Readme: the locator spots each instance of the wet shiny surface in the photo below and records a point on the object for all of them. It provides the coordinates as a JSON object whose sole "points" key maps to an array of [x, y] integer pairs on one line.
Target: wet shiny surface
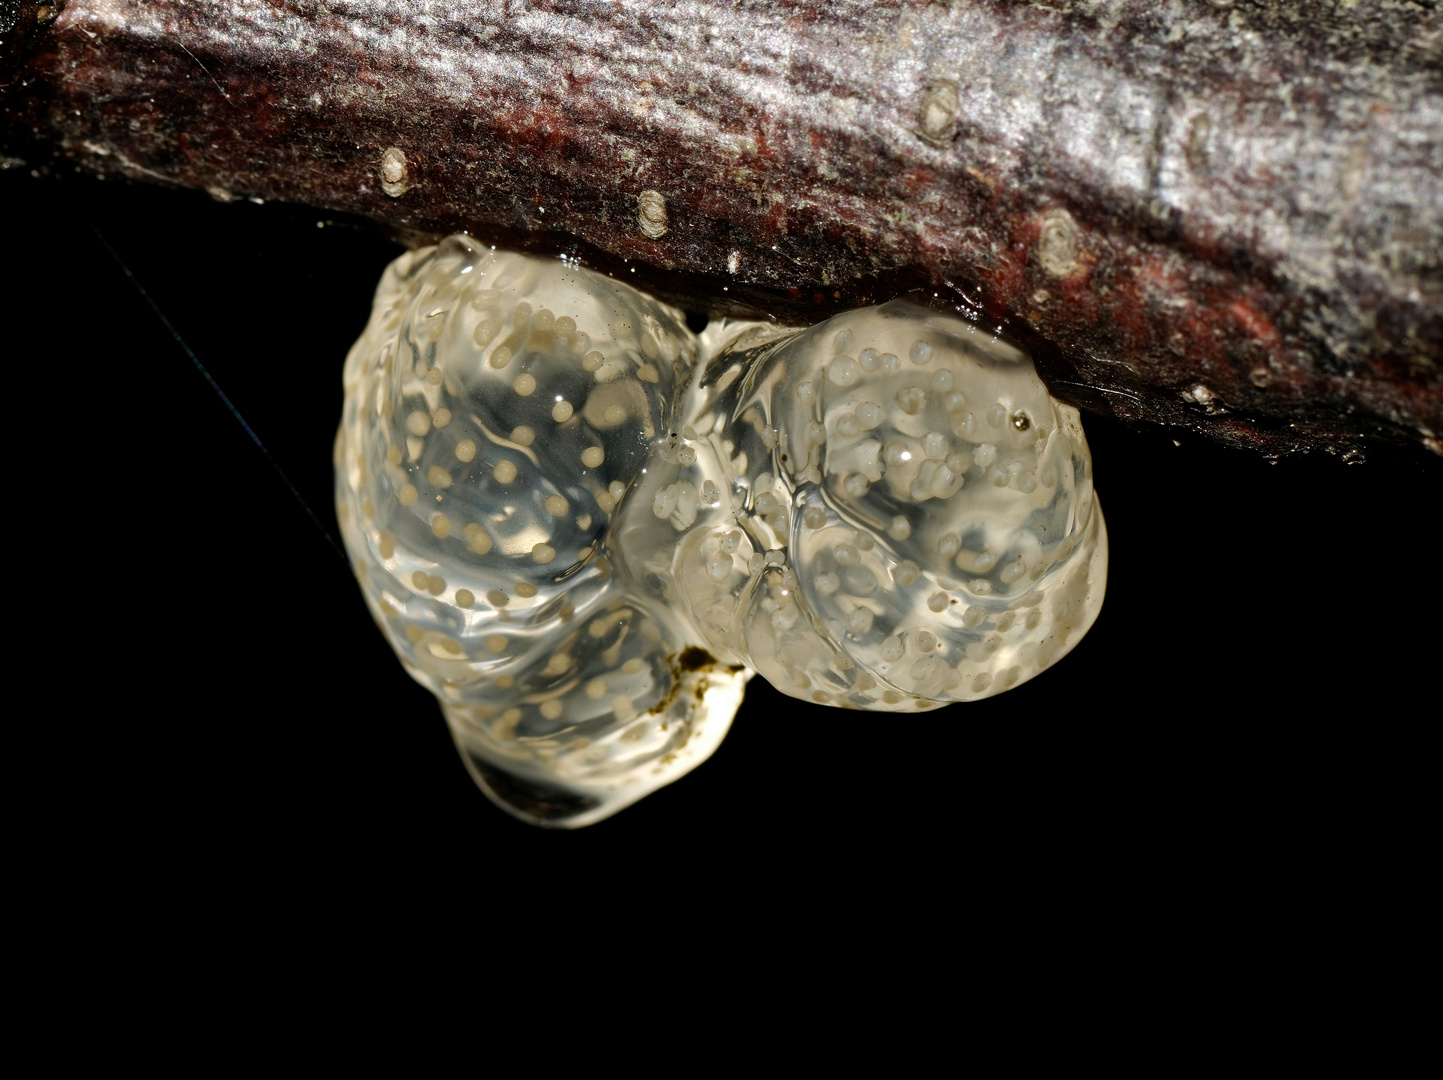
{"points": [[583, 528]]}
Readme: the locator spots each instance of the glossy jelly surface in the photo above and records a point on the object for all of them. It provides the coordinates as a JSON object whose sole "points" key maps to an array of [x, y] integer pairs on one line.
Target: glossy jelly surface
{"points": [[584, 528]]}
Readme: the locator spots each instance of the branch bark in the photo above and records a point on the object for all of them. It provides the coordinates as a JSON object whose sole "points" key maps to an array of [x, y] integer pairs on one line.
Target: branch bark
{"points": [[1222, 215]]}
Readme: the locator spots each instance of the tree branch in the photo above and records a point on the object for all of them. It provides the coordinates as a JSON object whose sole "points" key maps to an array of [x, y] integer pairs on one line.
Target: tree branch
{"points": [[1226, 216]]}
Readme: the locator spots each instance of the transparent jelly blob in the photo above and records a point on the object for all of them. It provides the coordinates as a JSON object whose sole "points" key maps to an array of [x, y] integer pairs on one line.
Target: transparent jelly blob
{"points": [[917, 512], [583, 528]]}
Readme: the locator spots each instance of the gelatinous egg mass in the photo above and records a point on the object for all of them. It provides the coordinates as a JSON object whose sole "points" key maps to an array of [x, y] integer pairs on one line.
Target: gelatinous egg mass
{"points": [[583, 528]]}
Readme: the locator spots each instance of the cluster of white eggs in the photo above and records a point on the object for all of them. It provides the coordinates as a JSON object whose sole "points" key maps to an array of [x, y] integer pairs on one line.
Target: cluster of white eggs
{"points": [[584, 528]]}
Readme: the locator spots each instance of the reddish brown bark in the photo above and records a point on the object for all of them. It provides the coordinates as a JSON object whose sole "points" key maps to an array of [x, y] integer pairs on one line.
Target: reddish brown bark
{"points": [[1221, 215]]}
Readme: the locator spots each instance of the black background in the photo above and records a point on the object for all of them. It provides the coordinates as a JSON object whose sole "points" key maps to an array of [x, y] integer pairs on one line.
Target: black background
{"points": [[1254, 697]]}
